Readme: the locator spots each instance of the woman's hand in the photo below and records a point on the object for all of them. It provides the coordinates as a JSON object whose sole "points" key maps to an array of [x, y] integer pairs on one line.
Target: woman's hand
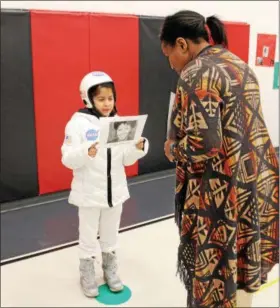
{"points": [[167, 146], [140, 144], [92, 150]]}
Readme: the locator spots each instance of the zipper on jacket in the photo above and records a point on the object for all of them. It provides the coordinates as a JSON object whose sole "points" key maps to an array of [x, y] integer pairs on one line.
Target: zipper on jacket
{"points": [[109, 178]]}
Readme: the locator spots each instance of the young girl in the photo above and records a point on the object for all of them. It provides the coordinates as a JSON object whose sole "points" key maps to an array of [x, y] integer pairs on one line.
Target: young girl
{"points": [[99, 187]]}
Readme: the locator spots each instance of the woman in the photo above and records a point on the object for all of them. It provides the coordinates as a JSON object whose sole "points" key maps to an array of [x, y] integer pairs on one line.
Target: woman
{"points": [[227, 169]]}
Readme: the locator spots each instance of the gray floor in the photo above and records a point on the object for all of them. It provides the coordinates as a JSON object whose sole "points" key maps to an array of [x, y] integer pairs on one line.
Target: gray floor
{"points": [[147, 259], [43, 223]]}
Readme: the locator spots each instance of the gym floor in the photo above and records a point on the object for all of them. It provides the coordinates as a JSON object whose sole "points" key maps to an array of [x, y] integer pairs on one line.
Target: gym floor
{"points": [[36, 271]]}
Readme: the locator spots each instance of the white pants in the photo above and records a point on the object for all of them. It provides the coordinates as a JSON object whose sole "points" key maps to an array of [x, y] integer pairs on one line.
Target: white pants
{"points": [[106, 222]]}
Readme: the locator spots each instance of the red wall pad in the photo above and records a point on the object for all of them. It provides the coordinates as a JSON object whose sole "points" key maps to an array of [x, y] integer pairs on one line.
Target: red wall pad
{"points": [[114, 48], [60, 46], [239, 39]]}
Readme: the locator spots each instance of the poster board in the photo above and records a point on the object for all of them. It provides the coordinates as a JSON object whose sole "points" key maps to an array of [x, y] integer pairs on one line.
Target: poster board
{"points": [[171, 103], [121, 130], [265, 54]]}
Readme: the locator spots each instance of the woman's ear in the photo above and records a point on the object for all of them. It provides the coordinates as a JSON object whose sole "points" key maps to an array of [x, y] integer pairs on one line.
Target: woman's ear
{"points": [[182, 44]]}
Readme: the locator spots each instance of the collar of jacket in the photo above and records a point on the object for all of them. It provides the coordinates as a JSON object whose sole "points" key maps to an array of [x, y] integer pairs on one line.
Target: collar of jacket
{"points": [[94, 112]]}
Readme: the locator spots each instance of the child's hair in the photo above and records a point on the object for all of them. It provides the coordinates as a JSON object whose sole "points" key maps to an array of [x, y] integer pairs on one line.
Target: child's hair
{"points": [[93, 91]]}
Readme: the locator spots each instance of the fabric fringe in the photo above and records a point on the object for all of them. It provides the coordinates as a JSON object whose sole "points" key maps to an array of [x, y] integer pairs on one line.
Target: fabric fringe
{"points": [[186, 277]]}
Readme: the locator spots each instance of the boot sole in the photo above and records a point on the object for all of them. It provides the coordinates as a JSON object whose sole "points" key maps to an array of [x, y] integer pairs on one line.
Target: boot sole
{"points": [[111, 289], [91, 295], [116, 290]]}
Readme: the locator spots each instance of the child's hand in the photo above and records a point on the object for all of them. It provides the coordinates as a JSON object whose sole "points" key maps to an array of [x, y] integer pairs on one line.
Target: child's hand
{"points": [[140, 144], [92, 150]]}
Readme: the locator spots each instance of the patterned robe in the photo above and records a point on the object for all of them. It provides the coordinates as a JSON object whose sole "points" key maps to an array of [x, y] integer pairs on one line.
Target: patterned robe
{"points": [[227, 179]]}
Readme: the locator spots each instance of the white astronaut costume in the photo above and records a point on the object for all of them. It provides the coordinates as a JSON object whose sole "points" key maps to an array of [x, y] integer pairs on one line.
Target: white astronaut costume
{"points": [[99, 188]]}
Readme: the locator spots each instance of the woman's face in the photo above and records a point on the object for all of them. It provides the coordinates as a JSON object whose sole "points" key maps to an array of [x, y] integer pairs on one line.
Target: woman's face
{"points": [[123, 131], [178, 55], [104, 101]]}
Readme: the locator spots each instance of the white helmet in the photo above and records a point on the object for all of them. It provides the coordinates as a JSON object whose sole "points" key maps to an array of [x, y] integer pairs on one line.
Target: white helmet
{"points": [[90, 80]]}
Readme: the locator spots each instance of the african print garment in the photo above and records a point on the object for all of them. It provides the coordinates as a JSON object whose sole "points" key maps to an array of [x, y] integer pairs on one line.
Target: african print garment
{"points": [[227, 181]]}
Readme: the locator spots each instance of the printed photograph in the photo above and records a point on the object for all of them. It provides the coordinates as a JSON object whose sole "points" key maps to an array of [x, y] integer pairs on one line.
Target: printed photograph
{"points": [[122, 131]]}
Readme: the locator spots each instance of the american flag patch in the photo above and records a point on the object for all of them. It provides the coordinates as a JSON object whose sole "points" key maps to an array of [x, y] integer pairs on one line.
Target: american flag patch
{"points": [[68, 139]]}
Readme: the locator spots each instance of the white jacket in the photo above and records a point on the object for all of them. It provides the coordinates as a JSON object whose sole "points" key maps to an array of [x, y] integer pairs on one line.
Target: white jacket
{"points": [[99, 181]]}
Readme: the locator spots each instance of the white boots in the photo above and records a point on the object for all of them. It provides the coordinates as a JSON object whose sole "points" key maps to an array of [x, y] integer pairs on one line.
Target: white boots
{"points": [[110, 268], [88, 277]]}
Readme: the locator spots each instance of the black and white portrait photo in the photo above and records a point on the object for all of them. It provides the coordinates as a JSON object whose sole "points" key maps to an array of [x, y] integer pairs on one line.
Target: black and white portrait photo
{"points": [[122, 131]]}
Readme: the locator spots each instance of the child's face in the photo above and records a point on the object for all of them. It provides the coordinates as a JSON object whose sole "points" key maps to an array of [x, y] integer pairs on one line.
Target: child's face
{"points": [[104, 101], [123, 131]]}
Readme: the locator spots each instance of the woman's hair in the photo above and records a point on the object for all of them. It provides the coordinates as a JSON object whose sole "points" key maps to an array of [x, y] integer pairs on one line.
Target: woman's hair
{"points": [[192, 25], [118, 124]]}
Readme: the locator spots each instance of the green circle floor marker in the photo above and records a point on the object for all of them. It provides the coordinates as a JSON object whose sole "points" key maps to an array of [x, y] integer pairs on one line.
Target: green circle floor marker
{"points": [[108, 297]]}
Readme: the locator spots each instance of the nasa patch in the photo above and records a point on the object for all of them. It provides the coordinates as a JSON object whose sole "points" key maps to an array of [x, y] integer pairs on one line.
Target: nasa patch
{"points": [[98, 74], [92, 134]]}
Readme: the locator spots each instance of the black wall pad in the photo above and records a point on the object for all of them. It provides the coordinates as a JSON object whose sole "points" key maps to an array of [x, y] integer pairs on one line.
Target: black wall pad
{"points": [[157, 80], [18, 176], [63, 195]]}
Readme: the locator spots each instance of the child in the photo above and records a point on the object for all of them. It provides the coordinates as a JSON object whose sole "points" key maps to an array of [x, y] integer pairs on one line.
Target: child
{"points": [[99, 187]]}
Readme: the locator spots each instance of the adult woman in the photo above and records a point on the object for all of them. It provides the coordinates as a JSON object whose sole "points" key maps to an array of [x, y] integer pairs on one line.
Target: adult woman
{"points": [[227, 171]]}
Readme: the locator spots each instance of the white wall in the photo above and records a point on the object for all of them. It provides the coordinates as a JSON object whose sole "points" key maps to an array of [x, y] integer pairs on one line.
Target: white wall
{"points": [[261, 15]]}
